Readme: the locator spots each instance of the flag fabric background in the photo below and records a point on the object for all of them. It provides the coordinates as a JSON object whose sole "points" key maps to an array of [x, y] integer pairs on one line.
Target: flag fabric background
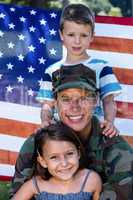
{"points": [[29, 42]]}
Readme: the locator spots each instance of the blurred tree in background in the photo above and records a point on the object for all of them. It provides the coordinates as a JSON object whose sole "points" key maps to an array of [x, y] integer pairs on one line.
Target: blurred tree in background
{"points": [[100, 7], [126, 6]]}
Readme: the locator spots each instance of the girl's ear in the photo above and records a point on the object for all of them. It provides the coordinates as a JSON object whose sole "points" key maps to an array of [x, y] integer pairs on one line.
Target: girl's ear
{"points": [[41, 161], [79, 153]]}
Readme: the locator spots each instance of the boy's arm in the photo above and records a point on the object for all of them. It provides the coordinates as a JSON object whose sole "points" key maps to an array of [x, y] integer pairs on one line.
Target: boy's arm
{"points": [[118, 171], [47, 113], [24, 165], [109, 87], [45, 97], [109, 106]]}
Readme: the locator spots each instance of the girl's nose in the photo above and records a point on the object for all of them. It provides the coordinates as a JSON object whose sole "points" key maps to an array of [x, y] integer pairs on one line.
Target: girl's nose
{"points": [[64, 161]]}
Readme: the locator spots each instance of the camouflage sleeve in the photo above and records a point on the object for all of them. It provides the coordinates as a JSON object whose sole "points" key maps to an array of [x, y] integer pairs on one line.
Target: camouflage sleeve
{"points": [[24, 165], [119, 171]]}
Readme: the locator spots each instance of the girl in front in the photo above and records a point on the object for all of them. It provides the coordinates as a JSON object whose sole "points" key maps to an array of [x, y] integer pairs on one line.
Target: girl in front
{"points": [[60, 169]]}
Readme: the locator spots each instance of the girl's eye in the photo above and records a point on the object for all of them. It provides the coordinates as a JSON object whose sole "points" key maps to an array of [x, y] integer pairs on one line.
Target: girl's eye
{"points": [[70, 153], [53, 158]]}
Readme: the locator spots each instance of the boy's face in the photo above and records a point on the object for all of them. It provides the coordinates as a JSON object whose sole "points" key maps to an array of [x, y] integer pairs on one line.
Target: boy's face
{"points": [[76, 38]]}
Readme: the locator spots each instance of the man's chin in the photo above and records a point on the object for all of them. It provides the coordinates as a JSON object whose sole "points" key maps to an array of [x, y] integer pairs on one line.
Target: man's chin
{"points": [[75, 127]]}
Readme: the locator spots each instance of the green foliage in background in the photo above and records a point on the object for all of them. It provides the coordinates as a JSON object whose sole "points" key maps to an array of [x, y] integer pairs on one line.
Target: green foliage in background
{"points": [[4, 188], [100, 7]]}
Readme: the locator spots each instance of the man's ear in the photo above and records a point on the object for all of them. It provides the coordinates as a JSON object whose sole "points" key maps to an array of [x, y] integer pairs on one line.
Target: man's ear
{"points": [[56, 104], [41, 161]]}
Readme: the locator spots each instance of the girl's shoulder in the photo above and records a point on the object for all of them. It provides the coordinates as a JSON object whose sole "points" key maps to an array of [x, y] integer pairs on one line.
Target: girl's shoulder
{"points": [[93, 181]]}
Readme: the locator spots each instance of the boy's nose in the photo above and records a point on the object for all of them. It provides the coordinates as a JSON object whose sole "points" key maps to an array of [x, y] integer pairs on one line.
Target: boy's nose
{"points": [[77, 39]]}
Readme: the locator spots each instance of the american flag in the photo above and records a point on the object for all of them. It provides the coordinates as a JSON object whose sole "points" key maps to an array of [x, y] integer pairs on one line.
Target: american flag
{"points": [[29, 42]]}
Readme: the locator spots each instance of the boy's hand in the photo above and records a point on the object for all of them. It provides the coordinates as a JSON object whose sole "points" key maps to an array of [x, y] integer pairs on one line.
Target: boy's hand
{"points": [[109, 129], [46, 115]]}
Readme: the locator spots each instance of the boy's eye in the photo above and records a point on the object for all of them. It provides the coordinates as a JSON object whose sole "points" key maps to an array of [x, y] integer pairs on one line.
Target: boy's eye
{"points": [[85, 35], [70, 34]]}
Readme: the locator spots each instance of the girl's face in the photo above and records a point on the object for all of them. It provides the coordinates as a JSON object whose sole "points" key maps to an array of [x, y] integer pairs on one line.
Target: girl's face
{"points": [[61, 158]]}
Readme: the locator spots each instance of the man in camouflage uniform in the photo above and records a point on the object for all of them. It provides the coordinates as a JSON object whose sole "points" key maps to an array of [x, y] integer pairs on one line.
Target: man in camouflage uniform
{"points": [[75, 93]]}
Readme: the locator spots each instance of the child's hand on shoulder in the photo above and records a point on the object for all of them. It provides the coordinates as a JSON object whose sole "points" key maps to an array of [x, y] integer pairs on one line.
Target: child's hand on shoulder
{"points": [[109, 129]]}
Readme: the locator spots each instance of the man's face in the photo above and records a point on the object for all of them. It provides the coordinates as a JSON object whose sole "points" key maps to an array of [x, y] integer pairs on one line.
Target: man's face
{"points": [[75, 107]]}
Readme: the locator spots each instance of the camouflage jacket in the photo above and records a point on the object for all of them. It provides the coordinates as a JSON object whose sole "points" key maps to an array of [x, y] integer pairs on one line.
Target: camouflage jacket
{"points": [[111, 158]]}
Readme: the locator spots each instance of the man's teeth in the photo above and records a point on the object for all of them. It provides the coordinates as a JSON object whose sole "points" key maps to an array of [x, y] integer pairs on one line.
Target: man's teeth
{"points": [[75, 117]]}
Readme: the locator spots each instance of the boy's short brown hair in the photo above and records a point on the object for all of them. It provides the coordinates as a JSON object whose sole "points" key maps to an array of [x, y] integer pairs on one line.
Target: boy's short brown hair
{"points": [[77, 13]]}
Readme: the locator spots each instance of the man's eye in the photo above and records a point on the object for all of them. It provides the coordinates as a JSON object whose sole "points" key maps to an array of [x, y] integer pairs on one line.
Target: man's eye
{"points": [[66, 99]]}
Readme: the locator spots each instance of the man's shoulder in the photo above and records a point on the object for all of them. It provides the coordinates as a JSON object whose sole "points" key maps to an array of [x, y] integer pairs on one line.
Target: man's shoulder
{"points": [[28, 145], [52, 68]]}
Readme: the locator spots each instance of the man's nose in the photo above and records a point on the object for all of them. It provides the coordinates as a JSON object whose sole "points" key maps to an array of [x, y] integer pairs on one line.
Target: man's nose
{"points": [[75, 105]]}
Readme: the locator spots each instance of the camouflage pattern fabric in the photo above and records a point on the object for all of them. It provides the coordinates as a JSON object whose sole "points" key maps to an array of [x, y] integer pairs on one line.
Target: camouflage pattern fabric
{"points": [[111, 158]]}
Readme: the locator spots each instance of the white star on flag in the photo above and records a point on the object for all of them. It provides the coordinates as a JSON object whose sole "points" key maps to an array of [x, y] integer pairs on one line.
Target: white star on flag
{"points": [[40, 82], [52, 32], [52, 51], [32, 29], [20, 79], [11, 45], [32, 12], [43, 22], [30, 92], [2, 16], [22, 19], [31, 48], [42, 40], [9, 88], [1, 54], [11, 26], [1, 76], [12, 9], [42, 60], [53, 15], [20, 57], [21, 37], [1, 33], [31, 69], [10, 66]]}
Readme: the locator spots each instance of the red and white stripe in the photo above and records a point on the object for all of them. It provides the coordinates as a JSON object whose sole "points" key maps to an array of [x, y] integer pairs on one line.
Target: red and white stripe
{"points": [[113, 42]]}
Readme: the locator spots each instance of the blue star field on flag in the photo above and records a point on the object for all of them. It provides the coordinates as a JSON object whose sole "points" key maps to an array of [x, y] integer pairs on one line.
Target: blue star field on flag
{"points": [[29, 42]]}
